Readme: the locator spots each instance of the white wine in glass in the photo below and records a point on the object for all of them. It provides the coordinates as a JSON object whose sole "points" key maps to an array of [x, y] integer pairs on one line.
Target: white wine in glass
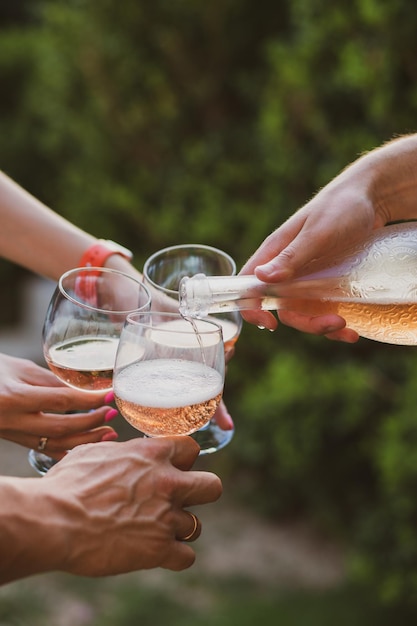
{"points": [[169, 373], [162, 274], [82, 329], [84, 363]]}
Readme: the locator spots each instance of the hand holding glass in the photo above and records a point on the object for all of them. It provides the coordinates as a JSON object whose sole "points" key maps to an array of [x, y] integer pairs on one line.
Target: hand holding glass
{"points": [[169, 375], [82, 329]]}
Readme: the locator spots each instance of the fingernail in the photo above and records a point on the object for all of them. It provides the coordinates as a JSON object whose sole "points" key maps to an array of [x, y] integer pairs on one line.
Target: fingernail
{"points": [[111, 414], [109, 397], [230, 425], [330, 329], [110, 436], [271, 269], [264, 267]]}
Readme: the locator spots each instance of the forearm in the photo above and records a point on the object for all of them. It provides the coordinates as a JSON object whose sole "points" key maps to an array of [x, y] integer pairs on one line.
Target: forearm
{"points": [[388, 178], [35, 237], [31, 540]]}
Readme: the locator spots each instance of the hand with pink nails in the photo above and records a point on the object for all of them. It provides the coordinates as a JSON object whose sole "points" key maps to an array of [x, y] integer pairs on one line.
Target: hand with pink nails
{"points": [[223, 418], [106, 508], [34, 404]]}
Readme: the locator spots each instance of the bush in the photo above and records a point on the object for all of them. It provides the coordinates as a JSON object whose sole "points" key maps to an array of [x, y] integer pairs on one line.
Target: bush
{"points": [[156, 123]]}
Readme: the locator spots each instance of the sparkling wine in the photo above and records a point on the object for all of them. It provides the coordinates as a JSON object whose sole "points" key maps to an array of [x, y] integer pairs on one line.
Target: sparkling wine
{"points": [[168, 396], [372, 285], [388, 323], [84, 362], [176, 333], [230, 332]]}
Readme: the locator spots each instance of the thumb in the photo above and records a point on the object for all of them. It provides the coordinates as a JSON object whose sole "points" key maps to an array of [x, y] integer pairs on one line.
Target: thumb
{"points": [[286, 263], [308, 245]]}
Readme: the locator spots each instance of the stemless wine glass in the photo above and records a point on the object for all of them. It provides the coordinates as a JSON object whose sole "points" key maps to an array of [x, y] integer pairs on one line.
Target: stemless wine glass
{"points": [[169, 373], [82, 329], [162, 274]]}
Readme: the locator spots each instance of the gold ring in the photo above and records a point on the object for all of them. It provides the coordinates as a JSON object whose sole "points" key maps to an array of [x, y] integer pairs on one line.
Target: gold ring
{"points": [[42, 443], [196, 523]]}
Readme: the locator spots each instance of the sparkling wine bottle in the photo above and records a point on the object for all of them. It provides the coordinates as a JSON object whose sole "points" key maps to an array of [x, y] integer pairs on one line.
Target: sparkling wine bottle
{"points": [[372, 285]]}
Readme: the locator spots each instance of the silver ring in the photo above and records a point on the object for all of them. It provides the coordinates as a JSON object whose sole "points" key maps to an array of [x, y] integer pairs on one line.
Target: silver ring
{"points": [[42, 443]]}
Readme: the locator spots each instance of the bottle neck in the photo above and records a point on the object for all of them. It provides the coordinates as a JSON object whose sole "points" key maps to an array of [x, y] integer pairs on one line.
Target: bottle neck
{"points": [[203, 295]]}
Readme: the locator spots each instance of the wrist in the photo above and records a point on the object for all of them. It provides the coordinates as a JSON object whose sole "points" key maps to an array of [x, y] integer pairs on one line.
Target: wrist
{"points": [[31, 542], [392, 175], [101, 250]]}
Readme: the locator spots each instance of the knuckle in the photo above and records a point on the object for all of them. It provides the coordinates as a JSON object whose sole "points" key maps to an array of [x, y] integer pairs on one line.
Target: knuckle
{"points": [[59, 429], [288, 254], [158, 449], [61, 403], [166, 483], [11, 394]]}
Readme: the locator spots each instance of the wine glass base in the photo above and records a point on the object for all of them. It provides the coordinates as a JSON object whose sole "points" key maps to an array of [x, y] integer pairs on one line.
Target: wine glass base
{"points": [[211, 438], [41, 463]]}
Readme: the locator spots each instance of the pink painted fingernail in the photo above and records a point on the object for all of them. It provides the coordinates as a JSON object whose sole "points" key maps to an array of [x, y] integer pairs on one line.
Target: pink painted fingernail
{"points": [[109, 397], [111, 414], [110, 436], [230, 425]]}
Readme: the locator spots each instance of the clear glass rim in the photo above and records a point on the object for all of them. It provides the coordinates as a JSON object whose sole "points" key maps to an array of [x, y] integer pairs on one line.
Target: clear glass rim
{"points": [[197, 246], [103, 270], [214, 327]]}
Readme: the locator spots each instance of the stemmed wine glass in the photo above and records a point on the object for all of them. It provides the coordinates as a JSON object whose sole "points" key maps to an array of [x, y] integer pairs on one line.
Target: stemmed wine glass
{"points": [[162, 274], [169, 373], [82, 328]]}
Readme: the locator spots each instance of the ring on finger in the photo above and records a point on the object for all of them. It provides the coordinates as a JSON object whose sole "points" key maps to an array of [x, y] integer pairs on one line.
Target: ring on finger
{"points": [[195, 532], [42, 443]]}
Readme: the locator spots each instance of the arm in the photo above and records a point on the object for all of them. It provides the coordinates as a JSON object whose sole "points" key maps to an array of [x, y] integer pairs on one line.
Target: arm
{"points": [[32, 401], [380, 187], [36, 238], [105, 509]]}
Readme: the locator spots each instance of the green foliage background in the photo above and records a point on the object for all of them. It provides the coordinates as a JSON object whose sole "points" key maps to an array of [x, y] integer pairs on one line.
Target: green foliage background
{"points": [[157, 123]]}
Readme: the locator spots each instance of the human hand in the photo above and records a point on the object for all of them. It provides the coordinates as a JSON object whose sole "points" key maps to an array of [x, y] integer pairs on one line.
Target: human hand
{"points": [[336, 218], [222, 417], [119, 507], [34, 404]]}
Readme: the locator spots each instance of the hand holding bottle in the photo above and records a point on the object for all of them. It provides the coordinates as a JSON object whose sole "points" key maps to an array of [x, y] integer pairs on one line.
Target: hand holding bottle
{"points": [[378, 188]]}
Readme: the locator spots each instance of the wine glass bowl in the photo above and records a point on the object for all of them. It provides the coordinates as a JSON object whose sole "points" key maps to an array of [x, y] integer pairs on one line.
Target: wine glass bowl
{"points": [[164, 269], [81, 331], [162, 274], [169, 373], [83, 324]]}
